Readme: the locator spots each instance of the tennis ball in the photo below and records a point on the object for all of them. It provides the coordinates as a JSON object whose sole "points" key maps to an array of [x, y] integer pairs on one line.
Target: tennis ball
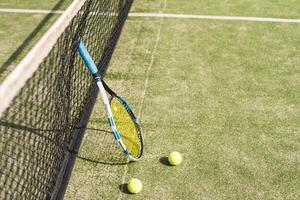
{"points": [[134, 185], [174, 158]]}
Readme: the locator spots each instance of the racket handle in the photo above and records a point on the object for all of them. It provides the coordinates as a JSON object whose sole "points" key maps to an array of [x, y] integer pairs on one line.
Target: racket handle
{"points": [[87, 59]]}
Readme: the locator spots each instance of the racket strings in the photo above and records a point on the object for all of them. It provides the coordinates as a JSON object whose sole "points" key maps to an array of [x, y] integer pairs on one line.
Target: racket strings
{"points": [[127, 128]]}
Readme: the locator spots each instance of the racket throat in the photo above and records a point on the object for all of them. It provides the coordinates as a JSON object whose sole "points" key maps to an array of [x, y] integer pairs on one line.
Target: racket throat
{"points": [[123, 148], [104, 98], [118, 139]]}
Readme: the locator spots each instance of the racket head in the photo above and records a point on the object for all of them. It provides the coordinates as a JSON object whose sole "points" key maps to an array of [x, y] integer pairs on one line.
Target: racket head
{"points": [[128, 127]]}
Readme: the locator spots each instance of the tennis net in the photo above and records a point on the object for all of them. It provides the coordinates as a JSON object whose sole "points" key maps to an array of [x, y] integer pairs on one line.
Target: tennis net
{"points": [[47, 100]]}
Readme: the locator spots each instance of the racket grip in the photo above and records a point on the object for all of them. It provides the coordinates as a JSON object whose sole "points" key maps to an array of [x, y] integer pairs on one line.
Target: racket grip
{"points": [[87, 59]]}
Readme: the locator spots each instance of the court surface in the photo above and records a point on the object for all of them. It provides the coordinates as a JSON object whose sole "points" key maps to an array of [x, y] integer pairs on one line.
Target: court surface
{"points": [[224, 93]]}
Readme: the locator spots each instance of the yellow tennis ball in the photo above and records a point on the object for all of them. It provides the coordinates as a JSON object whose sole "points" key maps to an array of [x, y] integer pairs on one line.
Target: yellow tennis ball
{"points": [[134, 185], [174, 158]]}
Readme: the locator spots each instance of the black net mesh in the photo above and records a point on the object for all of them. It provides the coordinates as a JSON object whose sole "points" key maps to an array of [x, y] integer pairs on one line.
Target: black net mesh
{"points": [[41, 130]]}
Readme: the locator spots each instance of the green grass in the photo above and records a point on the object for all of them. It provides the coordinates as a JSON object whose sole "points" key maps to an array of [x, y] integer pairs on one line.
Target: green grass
{"points": [[230, 97], [257, 8], [223, 93], [34, 4]]}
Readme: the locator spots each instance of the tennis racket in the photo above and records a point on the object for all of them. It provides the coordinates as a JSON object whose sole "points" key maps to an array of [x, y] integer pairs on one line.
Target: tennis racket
{"points": [[122, 121]]}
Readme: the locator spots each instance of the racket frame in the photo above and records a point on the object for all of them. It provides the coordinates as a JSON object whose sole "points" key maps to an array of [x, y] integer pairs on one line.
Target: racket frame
{"points": [[103, 88]]}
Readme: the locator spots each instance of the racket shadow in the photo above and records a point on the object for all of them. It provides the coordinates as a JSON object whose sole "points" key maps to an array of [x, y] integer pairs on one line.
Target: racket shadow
{"points": [[102, 162], [100, 147]]}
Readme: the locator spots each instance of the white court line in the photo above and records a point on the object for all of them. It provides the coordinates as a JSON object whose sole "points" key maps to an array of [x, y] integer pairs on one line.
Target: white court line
{"points": [[212, 17], [146, 86], [34, 11], [167, 15]]}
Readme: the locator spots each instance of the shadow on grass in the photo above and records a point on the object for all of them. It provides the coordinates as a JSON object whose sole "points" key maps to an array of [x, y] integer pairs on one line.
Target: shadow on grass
{"points": [[164, 160], [100, 148], [98, 130], [123, 188], [104, 162]]}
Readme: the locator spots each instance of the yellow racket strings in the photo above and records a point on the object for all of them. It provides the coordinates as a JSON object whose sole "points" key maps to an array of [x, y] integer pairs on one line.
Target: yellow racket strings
{"points": [[127, 128]]}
